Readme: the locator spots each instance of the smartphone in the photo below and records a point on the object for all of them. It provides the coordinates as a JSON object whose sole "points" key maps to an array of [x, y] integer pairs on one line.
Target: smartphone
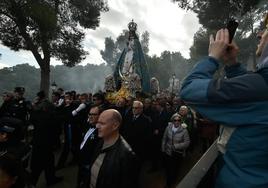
{"points": [[232, 26]]}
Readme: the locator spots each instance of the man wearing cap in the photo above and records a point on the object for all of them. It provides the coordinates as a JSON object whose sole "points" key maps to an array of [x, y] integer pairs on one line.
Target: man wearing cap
{"points": [[20, 105], [239, 102], [9, 144]]}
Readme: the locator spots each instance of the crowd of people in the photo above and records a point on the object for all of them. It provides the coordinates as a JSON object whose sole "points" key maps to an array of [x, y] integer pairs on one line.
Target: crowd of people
{"points": [[110, 143]]}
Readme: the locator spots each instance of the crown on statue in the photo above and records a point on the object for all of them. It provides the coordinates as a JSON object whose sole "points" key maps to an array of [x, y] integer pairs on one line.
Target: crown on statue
{"points": [[132, 26]]}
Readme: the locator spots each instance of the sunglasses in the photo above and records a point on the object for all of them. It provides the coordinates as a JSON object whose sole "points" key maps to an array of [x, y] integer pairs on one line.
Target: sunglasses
{"points": [[176, 120]]}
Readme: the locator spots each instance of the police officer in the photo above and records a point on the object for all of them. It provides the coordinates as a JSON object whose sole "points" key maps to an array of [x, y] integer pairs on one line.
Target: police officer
{"points": [[11, 145], [20, 104], [20, 108], [9, 142]]}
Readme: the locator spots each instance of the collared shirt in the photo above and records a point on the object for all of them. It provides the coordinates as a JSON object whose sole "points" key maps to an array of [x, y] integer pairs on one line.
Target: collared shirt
{"points": [[136, 117], [87, 135]]}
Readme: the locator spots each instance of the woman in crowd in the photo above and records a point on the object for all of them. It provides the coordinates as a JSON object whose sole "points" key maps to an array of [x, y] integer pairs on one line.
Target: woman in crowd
{"points": [[175, 141]]}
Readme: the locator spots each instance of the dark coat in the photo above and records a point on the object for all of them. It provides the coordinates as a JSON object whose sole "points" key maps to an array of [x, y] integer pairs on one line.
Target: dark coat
{"points": [[42, 118], [19, 150], [119, 169], [86, 154], [149, 112], [138, 134], [5, 109], [160, 122], [89, 147], [20, 108]]}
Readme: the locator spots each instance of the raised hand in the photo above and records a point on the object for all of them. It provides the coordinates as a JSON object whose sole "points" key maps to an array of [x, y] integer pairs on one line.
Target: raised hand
{"points": [[217, 47]]}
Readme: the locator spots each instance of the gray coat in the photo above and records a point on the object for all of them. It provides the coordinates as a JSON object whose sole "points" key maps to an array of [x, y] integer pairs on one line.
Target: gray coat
{"points": [[177, 141]]}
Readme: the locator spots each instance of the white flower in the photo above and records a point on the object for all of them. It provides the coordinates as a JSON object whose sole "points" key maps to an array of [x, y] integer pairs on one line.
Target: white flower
{"points": [[184, 125]]}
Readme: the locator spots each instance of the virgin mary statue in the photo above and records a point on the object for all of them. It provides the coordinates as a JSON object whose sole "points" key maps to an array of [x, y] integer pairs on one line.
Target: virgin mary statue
{"points": [[131, 70]]}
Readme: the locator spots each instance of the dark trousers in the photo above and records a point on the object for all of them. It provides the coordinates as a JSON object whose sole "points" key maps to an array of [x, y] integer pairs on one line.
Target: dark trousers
{"points": [[77, 138], [172, 165], [73, 139], [66, 147], [42, 159], [156, 155]]}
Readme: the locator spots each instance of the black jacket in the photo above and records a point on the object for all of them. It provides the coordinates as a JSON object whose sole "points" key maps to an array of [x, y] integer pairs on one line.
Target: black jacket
{"points": [[89, 147], [86, 154], [42, 118], [138, 134], [19, 150], [120, 168], [160, 122]]}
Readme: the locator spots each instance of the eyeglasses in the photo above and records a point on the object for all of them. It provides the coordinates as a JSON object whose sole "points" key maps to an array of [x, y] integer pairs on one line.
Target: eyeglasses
{"points": [[176, 120]]}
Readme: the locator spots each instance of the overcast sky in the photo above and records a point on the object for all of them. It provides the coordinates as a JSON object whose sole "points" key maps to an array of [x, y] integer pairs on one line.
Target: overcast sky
{"points": [[170, 29]]}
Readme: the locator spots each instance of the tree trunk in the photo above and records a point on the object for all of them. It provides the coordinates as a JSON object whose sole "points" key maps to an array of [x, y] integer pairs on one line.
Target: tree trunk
{"points": [[45, 77]]}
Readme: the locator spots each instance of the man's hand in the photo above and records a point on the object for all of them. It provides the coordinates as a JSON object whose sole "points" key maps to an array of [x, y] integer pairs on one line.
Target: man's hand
{"points": [[217, 47], [229, 57]]}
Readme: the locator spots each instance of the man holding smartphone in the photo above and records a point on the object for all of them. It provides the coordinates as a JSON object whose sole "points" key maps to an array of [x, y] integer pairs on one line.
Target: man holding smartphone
{"points": [[239, 103]]}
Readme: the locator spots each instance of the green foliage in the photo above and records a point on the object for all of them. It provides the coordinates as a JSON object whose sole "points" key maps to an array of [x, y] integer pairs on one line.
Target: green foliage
{"points": [[200, 44], [20, 75], [214, 15], [145, 38], [87, 12], [109, 53], [166, 65], [87, 78], [81, 78], [211, 12], [121, 41], [49, 28], [113, 48]]}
